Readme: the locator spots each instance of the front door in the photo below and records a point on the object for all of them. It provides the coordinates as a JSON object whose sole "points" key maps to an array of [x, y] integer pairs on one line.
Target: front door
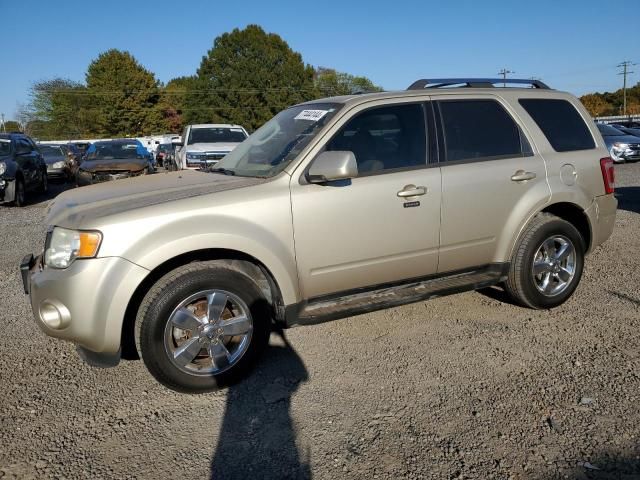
{"points": [[369, 231]]}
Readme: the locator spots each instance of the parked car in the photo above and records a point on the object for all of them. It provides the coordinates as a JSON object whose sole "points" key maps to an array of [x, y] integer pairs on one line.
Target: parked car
{"points": [[113, 160], [622, 146], [22, 169], [206, 144], [82, 146], [333, 208], [629, 131], [59, 161], [627, 124], [164, 153]]}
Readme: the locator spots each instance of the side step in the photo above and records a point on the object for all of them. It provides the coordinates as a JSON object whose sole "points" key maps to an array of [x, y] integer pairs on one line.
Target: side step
{"points": [[325, 309]]}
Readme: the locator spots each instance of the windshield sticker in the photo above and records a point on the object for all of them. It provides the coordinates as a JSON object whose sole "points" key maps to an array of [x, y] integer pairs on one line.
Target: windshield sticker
{"points": [[312, 115]]}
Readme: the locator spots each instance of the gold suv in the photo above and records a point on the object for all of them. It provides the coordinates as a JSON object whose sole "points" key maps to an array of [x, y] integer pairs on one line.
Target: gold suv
{"points": [[333, 208]]}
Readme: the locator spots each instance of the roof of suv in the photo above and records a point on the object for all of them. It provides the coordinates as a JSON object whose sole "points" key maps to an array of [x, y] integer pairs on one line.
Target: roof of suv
{"points": [[443, 87]]}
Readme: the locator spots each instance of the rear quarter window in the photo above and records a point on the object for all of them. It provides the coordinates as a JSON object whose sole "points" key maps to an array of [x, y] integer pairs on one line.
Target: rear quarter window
{"points": [[560, 122]]}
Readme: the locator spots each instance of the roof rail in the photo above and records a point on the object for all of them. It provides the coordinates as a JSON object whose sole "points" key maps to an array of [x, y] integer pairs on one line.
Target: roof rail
{"points": [[472, 83]]}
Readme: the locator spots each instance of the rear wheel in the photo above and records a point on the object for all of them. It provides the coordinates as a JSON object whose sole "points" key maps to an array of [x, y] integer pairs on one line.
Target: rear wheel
{"points": [[547, 264], [202, 326]]}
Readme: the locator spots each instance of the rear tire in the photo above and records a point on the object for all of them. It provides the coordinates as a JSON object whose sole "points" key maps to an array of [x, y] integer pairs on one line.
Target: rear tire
{"points": [[224, 325], [547, 263]]}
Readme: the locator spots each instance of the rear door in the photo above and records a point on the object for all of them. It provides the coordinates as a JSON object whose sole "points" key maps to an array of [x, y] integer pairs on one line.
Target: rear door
{"points": [[490, 178]]}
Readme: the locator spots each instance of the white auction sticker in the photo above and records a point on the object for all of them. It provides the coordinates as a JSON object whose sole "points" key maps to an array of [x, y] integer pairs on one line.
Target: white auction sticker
{"points": [[313, 115]]}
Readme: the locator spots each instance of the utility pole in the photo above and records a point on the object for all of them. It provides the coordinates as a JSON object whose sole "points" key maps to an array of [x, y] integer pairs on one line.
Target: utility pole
{"points": [[4, 130], [504, 73], [625, 71]]}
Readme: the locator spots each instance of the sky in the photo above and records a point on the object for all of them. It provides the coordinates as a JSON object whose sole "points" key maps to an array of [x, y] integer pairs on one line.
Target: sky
{"points": [[572, 45]]}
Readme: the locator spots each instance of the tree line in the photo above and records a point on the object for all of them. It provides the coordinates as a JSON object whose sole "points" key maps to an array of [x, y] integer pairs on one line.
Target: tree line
{"points": [[245, 78]]}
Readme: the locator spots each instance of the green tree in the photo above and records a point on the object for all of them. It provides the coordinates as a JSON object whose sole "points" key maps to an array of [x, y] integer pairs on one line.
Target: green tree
{"points": [[124, 95], [596, 105], [329, 82], [246, 78], [172, 102]]}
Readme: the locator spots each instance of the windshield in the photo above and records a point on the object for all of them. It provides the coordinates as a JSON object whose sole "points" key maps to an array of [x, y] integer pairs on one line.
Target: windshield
{"points": [[115, 151], [273, 146], [216, 135], [49, 151], [5, 146], [609, 131]]}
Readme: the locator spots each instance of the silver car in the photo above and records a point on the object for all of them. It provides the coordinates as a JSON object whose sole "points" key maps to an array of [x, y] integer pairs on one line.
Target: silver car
{"points": [[333, 208]]}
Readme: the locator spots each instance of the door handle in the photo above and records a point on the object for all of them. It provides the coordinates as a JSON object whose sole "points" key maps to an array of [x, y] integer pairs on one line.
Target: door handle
{"points": [[522, 176], [412, 191]]}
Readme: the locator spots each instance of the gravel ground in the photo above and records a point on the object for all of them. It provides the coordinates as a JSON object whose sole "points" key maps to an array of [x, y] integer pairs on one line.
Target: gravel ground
{"points": [[466, 386]]}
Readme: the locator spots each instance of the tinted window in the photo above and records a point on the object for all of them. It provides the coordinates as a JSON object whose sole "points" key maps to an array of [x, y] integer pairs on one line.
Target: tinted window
{"points": [[479, 129], [384, 138], [5, 146], [115, 150], [560, 122], [24, 146]]}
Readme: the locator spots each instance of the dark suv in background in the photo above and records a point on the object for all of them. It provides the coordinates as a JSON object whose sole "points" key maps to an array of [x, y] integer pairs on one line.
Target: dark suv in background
{"points": [[22, 168]]}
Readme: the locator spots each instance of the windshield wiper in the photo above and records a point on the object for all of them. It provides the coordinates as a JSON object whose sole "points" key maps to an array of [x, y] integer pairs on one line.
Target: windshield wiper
{"points": [[226, 171]]}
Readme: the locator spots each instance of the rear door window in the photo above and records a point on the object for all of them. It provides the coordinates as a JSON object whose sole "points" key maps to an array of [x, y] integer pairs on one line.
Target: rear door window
{"points": [[476, 130], [560, 122]]}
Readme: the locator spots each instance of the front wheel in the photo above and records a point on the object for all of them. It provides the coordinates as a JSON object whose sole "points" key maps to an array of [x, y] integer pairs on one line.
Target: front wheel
{"points": [[547, 264], [202, 326], [20, 196]]}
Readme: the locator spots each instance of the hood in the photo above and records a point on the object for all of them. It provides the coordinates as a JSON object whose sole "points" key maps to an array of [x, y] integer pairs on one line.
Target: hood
{"points": [[129, 164], [73, 207], [211, 147]]}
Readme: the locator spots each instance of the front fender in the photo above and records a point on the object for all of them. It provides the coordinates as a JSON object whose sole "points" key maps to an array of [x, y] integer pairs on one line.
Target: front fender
{"points": [[155, 245]]}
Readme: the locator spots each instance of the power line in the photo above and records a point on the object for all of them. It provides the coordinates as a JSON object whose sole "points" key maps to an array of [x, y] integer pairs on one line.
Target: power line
{"points": [[625, 71]]}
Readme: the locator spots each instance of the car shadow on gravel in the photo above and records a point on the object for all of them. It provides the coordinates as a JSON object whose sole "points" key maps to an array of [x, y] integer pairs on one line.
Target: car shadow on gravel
{"points": [[628, 198], [497, 293], [258, 436], [606, 466]]}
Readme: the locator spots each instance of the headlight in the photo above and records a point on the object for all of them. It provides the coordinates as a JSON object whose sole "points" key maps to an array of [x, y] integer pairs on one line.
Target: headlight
{"points": [[194, 156], [66, 245], [618, 149], [3, 167], [58, 165]]}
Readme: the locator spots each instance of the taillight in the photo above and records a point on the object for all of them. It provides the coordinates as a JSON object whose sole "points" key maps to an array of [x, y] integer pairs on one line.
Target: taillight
{"points": [[608, 175]]}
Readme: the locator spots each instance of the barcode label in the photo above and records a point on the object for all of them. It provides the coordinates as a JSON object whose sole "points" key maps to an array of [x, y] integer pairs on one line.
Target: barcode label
{"points": [[312, 115]]}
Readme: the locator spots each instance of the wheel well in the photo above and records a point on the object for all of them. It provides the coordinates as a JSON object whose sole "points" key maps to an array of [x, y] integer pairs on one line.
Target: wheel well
{"points": [[575, 216], [246, 263]]}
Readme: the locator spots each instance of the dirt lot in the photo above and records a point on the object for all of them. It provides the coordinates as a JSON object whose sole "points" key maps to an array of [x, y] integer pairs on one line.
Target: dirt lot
{"points": [[466, 386]]}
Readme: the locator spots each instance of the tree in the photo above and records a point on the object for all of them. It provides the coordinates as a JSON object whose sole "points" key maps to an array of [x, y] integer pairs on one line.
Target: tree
{"points": [[329, 82], [172, 102], [124, 95], [12, 126], [596, 105], [246, 78]]}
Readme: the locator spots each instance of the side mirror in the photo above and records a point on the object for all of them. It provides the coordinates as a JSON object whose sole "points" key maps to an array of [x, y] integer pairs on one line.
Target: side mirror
{"points": [[331, 166]]}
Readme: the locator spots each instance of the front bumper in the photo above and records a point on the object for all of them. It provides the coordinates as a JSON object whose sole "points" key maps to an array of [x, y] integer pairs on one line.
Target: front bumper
{"points": [[7, 189], [57, 173], [84, 303]]}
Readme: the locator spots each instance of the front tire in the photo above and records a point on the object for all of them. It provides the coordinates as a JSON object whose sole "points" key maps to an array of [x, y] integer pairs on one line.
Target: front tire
{"points": [[547, 263], [20, 196], [202, 327]]}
